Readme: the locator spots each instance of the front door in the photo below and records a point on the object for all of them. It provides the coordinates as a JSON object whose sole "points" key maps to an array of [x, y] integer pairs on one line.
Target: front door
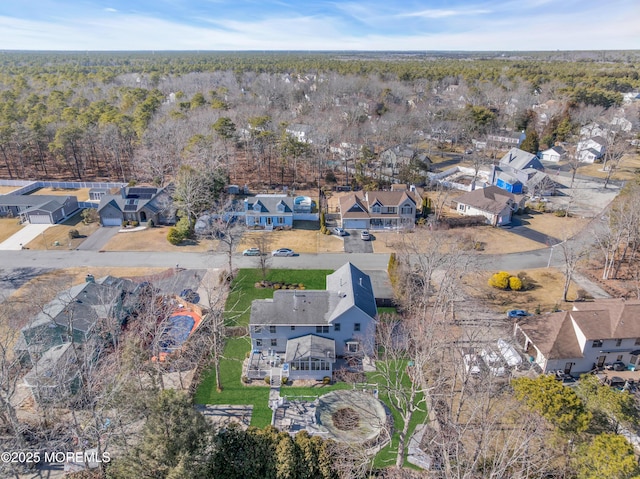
{"points": [[269, 220], [567, 368], [601, 360]]}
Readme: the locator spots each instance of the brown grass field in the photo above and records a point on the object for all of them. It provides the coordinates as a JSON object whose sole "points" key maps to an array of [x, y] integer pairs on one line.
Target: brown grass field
{"points": [[59, 234], [9, 226], [299, 240], [7, 189], [155, 239]]}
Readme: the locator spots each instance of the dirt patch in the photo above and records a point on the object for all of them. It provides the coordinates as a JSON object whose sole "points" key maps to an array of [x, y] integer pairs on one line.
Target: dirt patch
{"points": [[81, 193], [57, 237], [300, 241], [8, 227], [554, 226], [485, 239], [544, 291], [155, 239], [7, 189], [627, 170]]}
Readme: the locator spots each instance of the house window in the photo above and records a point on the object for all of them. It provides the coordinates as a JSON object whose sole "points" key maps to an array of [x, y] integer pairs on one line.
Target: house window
{"points": [[597, 343], [322, 329], [375, 209], [293, 328], [336, 327], [637, 343], [272, 329], [274, 342], [619, 358], [407, 210], [392, 210], [618, 342], [356, 327], [258, 343], [280, 220], [353, 346], [257, 329]]}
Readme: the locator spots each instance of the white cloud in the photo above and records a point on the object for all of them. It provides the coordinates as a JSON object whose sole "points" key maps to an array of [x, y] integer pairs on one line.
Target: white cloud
{"points": [[441, 13], [110, 10]]}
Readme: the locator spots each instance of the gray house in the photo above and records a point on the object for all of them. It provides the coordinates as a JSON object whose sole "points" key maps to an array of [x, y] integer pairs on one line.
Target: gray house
{"points": [[300, 333], [56, 375], [38, 209], [139, 203]]}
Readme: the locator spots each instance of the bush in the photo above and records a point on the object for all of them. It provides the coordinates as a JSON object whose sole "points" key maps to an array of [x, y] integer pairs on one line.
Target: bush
{"points": [[245, 379], [284, 379], [326, 380], [561, 213], [150, 224], [500, 280], [134, 223], [515, 283], [73, 234], [267, 379], [175, 236]]}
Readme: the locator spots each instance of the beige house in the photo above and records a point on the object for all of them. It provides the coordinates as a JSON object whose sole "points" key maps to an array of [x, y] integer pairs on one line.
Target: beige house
{"points": [[396, 209], [495, 204], [592, 335]]}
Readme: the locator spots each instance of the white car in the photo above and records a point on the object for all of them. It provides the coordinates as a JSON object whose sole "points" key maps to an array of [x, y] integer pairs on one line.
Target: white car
{"points": [[283, 252], [365, 236], [493, 362], [339, 231], [251, 252]]}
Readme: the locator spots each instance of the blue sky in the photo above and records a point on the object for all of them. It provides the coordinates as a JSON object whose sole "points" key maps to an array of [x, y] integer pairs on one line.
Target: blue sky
{"points": [[319, 25]]}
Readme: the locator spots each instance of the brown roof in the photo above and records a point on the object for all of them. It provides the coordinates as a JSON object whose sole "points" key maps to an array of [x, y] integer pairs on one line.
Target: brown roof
{"points": [[490, 199], [608, 318], [367, 199], [553, 335]]}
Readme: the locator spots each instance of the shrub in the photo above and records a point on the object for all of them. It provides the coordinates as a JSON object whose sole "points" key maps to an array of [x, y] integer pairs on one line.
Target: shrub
{"points": [[245, 379], [561, 213], [175, 236], [150, 224], [267, 379], [515, 283], [125, 223], [284, 379], [74, 234], [500, 280], [134, 223], [326, 380]]}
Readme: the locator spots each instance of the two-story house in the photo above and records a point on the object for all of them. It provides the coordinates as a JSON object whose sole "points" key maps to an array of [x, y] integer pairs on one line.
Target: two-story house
{"points": [[380, 209], [591, 149], [592, 335], [300, 333], [516, 170], [269, 211]]}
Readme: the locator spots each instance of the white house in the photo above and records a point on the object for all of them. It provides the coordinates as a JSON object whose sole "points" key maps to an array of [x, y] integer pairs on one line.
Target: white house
{"points": [[555, 154], [591, 149], [492, 202], [300, 333], [592, 335]]}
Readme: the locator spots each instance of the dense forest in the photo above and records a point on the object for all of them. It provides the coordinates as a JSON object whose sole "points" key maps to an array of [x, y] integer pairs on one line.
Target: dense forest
{"points": [[140, 116]]}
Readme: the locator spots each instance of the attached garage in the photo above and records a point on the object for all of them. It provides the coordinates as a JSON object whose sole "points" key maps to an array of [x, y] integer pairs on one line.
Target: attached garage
{"points": [[111, 222], [355, 224], [40, 219]]}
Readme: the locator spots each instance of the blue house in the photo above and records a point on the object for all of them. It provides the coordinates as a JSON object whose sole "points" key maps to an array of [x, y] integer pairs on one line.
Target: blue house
{"points": [[269, 211], [518, 172]]}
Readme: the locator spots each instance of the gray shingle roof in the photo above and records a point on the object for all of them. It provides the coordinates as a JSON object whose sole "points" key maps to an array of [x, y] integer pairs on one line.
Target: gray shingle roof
{"points": [[491, 199], [520, 159], [310, 346]]}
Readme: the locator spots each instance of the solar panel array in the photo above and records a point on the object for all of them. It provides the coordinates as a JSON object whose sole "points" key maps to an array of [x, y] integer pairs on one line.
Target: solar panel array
{"points": [[130, 207], [142, 193]]}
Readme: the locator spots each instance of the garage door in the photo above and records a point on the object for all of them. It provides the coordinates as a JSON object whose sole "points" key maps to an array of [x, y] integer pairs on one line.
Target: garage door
{"points": [[39, 219], [111, 222], [354, 224]]}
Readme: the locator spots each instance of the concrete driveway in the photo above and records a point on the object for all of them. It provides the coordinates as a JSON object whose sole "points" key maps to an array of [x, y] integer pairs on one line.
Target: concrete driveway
{"points": [[22, 237], [353, 243], [98, 239]]}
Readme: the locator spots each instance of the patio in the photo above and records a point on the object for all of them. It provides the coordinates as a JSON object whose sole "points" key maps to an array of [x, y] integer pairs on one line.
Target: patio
{"points": [[261, 364]]}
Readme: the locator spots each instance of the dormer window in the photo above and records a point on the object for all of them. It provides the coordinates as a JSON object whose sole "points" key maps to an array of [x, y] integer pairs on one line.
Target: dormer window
{"points": [[597, 343], [375, 209], [281, 207]]}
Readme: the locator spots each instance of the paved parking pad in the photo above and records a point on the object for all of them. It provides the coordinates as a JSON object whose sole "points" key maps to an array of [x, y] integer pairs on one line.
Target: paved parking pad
{"points": [[353, 243]]}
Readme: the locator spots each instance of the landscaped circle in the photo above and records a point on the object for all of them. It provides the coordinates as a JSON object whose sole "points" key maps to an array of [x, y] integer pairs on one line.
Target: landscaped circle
{"points": [[351, 416]]}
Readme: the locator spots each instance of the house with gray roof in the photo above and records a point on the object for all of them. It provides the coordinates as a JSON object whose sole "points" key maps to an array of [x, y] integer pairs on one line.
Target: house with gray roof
{"points": [[592, 335], [269, 211], [515, 170], [136, 203], [38, 209], [56, 375], [78, 313], [395, 209], [300, 333]]}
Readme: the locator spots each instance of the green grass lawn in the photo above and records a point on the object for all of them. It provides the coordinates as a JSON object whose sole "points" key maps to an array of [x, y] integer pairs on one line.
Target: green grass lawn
{"points": [[243, 292], [234, 392]]}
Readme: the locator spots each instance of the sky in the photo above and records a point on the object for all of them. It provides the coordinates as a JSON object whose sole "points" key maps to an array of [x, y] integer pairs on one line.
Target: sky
{"points": [[289, 25]]}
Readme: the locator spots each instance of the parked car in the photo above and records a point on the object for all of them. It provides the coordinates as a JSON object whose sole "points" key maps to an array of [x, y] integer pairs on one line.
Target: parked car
{"points": [[251, 252], [365, 235], [339, 231], [283, 252], [517, 313]]}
